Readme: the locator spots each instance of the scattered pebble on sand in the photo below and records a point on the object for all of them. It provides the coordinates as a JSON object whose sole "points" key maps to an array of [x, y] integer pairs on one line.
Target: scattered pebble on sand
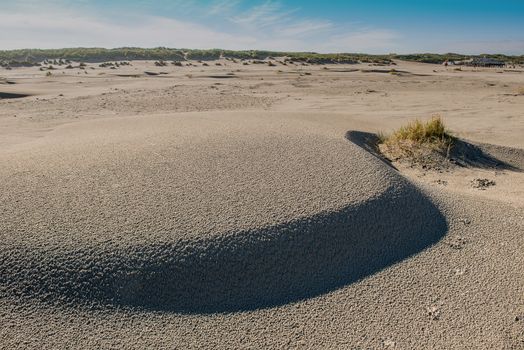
{"points": [[482, 184], [433, 312]]}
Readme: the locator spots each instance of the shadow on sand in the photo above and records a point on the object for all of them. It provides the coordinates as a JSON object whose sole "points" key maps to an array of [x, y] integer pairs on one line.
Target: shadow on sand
{"points": [[9, 95], [463, 153], [285, 263], [368, 141]]}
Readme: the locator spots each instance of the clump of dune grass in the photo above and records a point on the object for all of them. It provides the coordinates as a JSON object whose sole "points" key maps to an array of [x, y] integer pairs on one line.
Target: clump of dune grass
{"points": [[520, 91], [425, 143]]}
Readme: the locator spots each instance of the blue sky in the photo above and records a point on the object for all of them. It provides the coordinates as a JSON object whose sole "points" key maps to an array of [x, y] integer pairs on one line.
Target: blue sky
{"points": [[402, 26]]}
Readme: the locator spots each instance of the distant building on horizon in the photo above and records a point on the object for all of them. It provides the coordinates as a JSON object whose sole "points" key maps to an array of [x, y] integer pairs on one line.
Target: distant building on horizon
{"points": [[486, 62]]}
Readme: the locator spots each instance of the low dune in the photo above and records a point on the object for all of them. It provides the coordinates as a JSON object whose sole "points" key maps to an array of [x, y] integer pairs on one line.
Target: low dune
{"points": [[235, 217]]}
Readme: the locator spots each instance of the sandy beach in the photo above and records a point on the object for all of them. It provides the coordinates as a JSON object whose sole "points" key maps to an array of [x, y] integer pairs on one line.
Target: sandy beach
{"points": [[225, 205]]}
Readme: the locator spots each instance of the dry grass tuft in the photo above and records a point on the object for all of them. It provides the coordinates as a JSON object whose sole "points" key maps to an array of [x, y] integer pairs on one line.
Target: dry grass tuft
{"points": [[520, 91], [418, 142], [432, 131]]}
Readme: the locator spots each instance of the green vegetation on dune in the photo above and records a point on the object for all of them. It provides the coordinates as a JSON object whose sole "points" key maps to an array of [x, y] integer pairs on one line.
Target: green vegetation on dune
{"points": [[431, 58], [92, 54], [28, 56], [432, 131], [161, 53], [419, 142], [441, 58]]}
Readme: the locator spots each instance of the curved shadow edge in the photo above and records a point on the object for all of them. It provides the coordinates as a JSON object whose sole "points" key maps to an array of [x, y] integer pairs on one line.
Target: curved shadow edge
{"points": [[239, 271]]}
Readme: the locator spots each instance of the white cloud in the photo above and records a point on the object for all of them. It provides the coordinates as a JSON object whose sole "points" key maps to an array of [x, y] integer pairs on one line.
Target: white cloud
{"points": [[69, 29], [31, 24], [306, 27], [224, 24], [269, 13], [280, 28], [222, 7]]}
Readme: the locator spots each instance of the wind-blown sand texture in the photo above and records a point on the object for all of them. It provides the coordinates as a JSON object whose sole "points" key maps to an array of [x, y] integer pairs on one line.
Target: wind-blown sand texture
{"points": [[164, 211]]}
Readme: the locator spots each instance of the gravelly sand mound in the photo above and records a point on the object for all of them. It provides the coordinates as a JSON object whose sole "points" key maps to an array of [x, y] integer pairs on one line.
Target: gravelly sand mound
{"points": [[164, 214]]}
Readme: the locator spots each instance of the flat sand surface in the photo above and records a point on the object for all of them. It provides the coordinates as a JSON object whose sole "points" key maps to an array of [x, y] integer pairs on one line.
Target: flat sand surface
{"points": [[228, 207]]}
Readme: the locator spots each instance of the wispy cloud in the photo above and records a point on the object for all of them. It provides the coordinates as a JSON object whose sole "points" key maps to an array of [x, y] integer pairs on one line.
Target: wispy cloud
{"points": [[306, 27], [69, 29], [223, 7], [272, 20], [233, 24], [222, 23], [269, 13]]}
